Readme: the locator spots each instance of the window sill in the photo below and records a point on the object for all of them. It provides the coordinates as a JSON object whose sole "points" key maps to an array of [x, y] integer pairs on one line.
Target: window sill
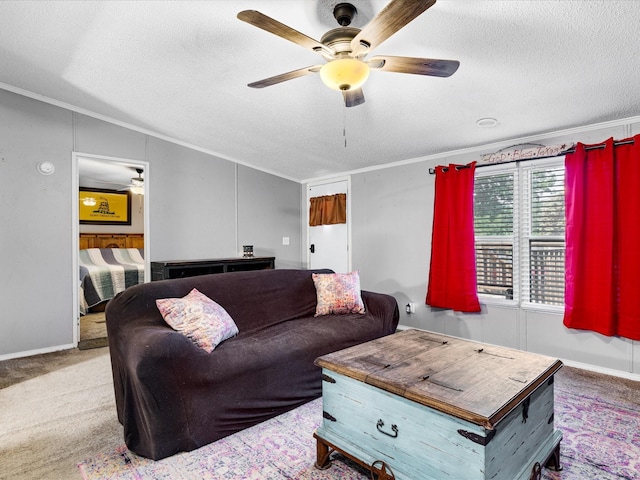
{"points": [[528, 306], [537, 307], [497, 302]]}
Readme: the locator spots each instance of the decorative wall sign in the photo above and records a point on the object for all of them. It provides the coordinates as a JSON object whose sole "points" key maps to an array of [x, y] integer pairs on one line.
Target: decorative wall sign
{"points": [[104, 207], [518, 154]]}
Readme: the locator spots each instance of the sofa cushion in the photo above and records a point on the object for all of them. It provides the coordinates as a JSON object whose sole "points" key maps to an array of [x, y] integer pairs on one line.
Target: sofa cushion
{"points": [[338, 293], [199, 318]]}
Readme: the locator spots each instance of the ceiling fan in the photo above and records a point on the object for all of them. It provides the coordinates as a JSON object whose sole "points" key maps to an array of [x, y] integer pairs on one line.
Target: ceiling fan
{"points": [[345, 48], [113, 180], [137, 183]]}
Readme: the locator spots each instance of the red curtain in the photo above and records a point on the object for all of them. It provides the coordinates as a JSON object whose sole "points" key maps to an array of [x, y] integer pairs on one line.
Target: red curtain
{"points": [[452, 276], [602, 195]]}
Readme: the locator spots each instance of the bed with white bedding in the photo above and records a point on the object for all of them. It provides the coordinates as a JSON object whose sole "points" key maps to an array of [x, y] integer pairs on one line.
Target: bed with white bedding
{"points": [[105, 272]]}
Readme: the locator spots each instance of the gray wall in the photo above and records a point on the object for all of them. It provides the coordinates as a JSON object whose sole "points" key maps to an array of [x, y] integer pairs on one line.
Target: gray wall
{"points": [[35, 218], [392, 215], [272, 210], [200, 207], [192, 203]]}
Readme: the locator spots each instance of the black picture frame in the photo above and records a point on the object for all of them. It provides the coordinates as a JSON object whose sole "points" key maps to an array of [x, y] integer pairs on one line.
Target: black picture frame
{"points": [[97, 206]]}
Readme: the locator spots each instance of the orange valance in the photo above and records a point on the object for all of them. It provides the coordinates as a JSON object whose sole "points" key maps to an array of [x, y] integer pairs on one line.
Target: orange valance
{"points": [[328, 209]]}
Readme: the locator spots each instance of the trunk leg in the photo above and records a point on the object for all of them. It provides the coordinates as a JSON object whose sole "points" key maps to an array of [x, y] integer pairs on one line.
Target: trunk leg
{"points": [[322, 455], [554, 459]]}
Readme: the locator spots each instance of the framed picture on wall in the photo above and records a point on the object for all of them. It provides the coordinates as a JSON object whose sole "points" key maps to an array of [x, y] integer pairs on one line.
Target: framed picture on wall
{"points": [[104, 207]]}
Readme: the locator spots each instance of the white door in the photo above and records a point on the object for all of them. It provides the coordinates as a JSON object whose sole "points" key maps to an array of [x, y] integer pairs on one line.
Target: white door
{"points": [[329, 244]]}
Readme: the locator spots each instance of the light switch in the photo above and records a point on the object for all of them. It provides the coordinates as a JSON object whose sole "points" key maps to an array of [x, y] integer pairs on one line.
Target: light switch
{"points": [[285, 240]]}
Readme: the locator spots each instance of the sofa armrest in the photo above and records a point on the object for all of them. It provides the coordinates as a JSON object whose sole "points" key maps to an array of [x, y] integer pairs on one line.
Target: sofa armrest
{"points": [[147, 372], [382, 306]]}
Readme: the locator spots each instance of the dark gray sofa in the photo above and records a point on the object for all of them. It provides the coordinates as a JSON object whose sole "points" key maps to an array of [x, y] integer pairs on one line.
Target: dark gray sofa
{"points": [[172, 396]]}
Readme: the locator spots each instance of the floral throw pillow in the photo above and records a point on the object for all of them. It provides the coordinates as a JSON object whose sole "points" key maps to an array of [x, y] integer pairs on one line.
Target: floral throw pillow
{"points": [[338, 293], [199, 318]]}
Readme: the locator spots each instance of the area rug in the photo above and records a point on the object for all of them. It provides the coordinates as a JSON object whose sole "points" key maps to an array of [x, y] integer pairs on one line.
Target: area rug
{"points": [[278, 449], [598, 415]]}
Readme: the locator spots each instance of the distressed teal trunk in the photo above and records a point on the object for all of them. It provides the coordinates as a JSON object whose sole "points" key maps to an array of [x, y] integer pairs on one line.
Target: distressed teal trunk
{"points": [[426, 438]]}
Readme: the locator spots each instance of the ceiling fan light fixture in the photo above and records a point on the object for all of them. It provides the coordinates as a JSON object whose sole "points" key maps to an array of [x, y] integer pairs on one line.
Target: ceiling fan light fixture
{"points": [[344, 74]]}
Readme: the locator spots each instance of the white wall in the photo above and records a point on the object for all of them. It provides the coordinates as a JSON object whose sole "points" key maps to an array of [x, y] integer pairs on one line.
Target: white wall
{"points": [[391, 238], [199, 208]]}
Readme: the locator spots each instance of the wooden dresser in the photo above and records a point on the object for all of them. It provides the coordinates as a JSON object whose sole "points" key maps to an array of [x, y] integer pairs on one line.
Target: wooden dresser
{"points": [[189, 268], [425, 406]]}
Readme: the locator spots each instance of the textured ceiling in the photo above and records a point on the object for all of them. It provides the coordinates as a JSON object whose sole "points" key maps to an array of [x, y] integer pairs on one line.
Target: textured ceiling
{"points": [[180, 70]]}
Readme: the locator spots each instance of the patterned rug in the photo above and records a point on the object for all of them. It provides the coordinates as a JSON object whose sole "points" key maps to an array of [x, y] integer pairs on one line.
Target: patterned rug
{"points": [[598, 415], [278, 449]]}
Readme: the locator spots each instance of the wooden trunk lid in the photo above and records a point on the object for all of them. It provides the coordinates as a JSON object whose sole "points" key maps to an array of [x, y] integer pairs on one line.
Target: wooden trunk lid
{"points": [[473, 381]]}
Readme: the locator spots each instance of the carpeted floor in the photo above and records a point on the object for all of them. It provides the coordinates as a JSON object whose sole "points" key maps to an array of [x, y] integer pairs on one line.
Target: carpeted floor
{"points": [[598, 416], [55, 410], [93, 331], [58, 411]]}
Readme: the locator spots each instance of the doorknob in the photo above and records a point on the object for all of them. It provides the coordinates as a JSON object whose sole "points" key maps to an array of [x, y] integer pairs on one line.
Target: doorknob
{"points": [[313, 248]]}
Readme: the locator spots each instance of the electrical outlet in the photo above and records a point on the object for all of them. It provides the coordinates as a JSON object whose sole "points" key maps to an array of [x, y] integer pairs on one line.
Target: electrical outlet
{"points": [[285, 240]]}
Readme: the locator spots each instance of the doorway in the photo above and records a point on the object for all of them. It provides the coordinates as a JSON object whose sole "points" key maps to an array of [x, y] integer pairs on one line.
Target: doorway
{"points": [[122, 177], [329, 245]]}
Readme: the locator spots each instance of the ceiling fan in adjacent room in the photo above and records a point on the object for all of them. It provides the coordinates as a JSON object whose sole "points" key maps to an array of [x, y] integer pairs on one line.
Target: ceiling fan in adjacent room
{"points": [[137, 183], [112, 178], [345, 48]]}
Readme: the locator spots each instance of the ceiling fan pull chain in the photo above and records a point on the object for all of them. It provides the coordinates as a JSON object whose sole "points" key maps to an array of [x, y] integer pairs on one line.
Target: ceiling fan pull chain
{"points": [[344, 124]]}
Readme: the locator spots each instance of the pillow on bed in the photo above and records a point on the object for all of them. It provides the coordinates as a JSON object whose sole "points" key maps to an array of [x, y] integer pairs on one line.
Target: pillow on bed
{"points": [[338, 293], [199, 318]]}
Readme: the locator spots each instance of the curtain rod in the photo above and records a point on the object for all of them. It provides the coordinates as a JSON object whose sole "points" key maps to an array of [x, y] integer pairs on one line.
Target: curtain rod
{"points": [[432, 171]]}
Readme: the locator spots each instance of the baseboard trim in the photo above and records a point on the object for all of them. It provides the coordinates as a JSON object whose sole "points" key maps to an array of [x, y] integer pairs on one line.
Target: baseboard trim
{"points": [[39, 351], [606, 371]]}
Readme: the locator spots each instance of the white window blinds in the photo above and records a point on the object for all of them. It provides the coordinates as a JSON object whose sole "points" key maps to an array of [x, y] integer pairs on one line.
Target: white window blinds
{"points": [[519, 231]]}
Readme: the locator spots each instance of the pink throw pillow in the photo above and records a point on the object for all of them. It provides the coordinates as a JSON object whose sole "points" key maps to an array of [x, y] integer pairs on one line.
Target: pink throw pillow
{"points": [[199, 318], [338, 293]]}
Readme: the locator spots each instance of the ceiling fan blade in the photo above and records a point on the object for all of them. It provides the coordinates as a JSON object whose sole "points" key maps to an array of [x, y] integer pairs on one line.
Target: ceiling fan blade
{"points": [[353, 98], [417, 66], [283, 77], [270, 25], [389, 20]]}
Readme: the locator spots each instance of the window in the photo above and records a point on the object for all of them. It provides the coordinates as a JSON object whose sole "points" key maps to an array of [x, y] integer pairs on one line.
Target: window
{"points": [[519, 230], [493, 224]]}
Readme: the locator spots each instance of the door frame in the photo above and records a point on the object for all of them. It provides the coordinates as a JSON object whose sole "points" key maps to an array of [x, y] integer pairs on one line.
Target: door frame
{"points": [[327, 182], [75, 226]]}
